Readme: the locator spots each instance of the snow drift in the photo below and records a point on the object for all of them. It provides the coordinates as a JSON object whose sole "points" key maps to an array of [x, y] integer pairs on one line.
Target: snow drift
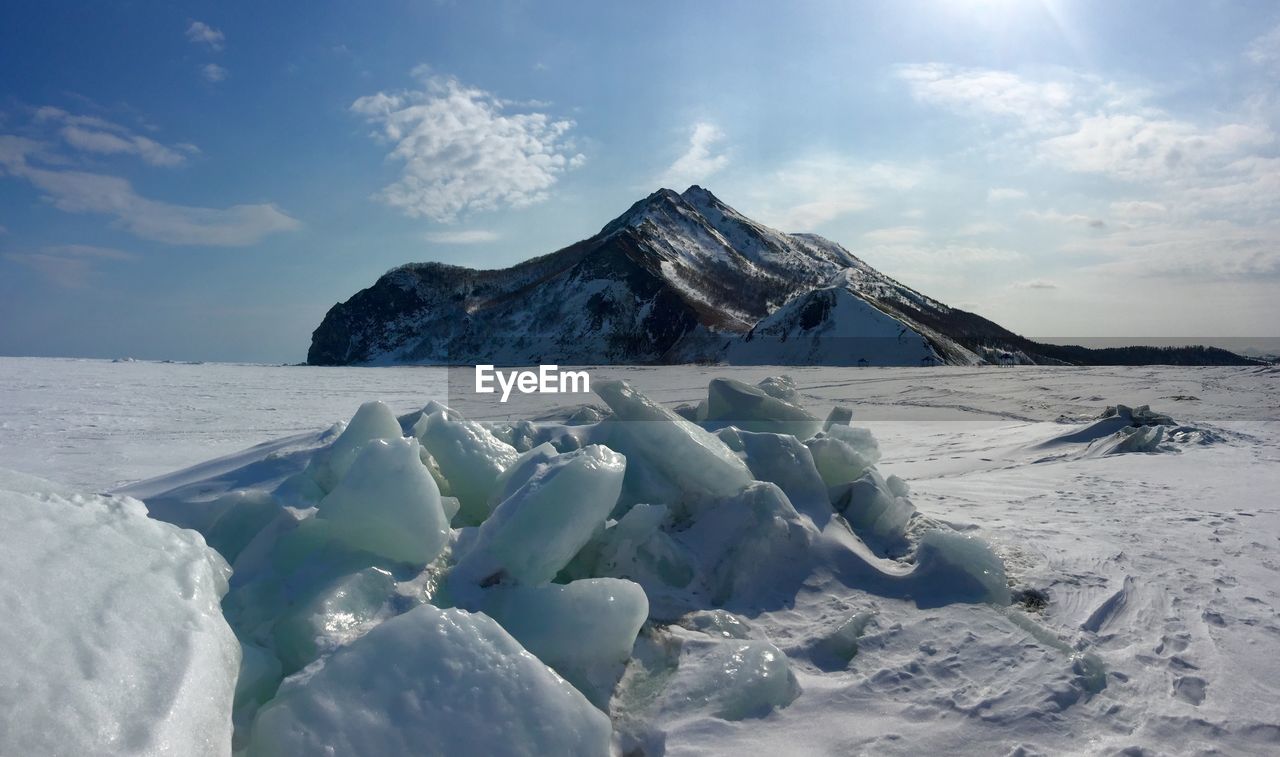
{"points": [[112, 636]]}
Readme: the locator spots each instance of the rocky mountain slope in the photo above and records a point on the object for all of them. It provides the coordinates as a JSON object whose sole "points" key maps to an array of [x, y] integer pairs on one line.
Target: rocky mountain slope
{"points": [[679, 277]]}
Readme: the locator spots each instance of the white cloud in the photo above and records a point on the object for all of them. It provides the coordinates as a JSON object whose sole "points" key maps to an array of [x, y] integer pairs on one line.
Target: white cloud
{"points": [[894, 235], [1083, 124], [929, 257], [699, 161], [1137, 210], [1004, 194], [83, 192], [1265, 50], [98, 135], [71, 265], [945, 270], [807, 192], [90, 251], [1077, 219], [1200, 193], [1039, 104], [463, 151], [1136, 147], [201, 33], [1034, 284], [80, 191], [981, 228], [1203, 250], [47, 113], [462, 236], [238, 225], [213, 72], [105, 142]]}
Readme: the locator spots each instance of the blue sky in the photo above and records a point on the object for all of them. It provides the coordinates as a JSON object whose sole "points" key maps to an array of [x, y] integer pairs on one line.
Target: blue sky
{"points": [[202, 181]]}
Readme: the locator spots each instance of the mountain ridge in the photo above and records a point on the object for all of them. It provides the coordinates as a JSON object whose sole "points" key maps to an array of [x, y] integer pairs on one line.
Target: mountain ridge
{"points": [[676, 278]]}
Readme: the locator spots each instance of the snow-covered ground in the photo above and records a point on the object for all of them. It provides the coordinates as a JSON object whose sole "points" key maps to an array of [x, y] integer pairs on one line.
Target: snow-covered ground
{"points": [[1162, 565]]}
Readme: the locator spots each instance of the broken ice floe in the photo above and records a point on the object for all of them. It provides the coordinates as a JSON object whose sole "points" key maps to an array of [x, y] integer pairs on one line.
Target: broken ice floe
{"points": [[450, 679], [1120, 429], [546, 574]]}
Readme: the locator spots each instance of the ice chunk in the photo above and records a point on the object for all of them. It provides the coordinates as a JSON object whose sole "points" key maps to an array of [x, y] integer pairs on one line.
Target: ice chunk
{"points": [[781, 387], [451, 507], [389, 505], [1121, 429], [873, 510], [637, 548], [587, 414], [430, 681], [783, 460], [687, 411], [520, 435], [538, 529], [257, 557], [260, 675], [299, 490], [731, 437], [374, 420], [730, 678], [719, 623], [470, 457], [750, 409], [337, 615], [433, 468], [1089, 669], [750, 545], [843, 453], [1112, 420], [859, 438], [954, 567], [839, 416], [291, 562], [834, 650], [1142, 415], [243, 514], [1128, 439], [584, 629], [113, 640], [692, 460], [519, 472]]}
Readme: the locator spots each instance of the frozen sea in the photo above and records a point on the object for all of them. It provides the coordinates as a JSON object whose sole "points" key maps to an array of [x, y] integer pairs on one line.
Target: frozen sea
{"points": [[1167, 566]]}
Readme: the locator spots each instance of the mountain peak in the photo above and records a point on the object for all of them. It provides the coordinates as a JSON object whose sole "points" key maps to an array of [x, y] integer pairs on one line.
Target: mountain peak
{"points": [[665, 201], [696, 193], [662, 203]]}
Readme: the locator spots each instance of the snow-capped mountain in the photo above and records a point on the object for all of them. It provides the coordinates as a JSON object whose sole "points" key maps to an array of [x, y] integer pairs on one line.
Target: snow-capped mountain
{"points": [[678, 277]]}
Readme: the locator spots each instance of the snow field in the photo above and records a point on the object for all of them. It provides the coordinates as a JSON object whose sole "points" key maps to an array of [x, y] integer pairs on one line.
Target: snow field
{"points": [[784, 610]]}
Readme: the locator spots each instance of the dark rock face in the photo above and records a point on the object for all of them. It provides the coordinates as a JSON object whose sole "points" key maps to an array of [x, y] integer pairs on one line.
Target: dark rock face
{"points": [[677, 278]]}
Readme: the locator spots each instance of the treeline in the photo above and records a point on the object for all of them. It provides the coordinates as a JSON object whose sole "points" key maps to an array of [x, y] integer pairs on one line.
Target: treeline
{"points": [[1142, 355], [1072, 354]]}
